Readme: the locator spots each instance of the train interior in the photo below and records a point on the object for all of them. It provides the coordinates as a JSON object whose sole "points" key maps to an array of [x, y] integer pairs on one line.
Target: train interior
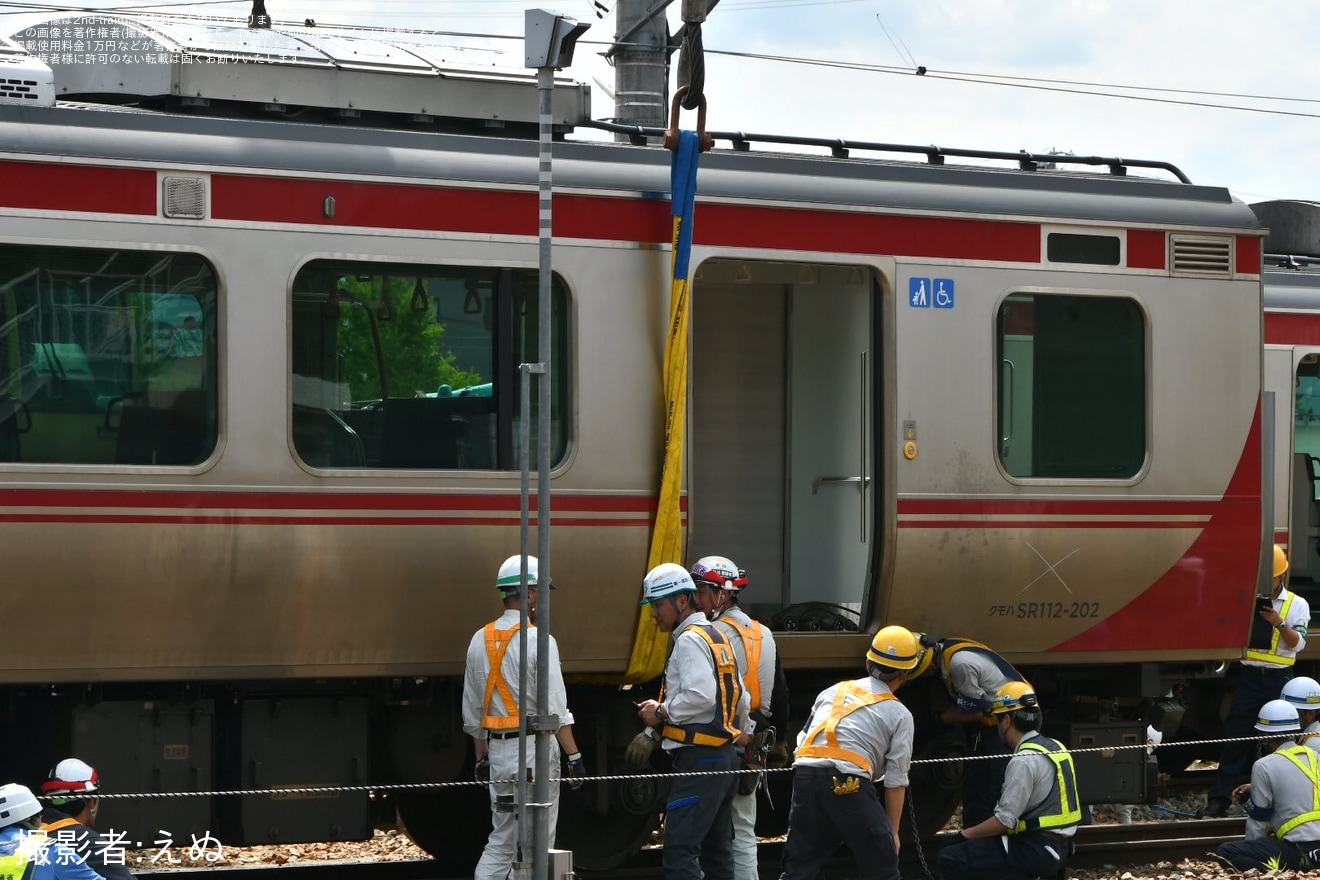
{"points": [[783, 478]]}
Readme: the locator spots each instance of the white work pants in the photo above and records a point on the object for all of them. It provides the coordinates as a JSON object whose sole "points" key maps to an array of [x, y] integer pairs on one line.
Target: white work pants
{"points": [[502, 847], [744, 837]]}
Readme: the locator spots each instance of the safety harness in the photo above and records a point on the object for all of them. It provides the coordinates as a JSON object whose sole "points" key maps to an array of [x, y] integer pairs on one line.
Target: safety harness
{"points": [[497, 645], [1061, 807], [860, 697], [1305, 760], [751, 637], [722, 729], [1273, 655]]}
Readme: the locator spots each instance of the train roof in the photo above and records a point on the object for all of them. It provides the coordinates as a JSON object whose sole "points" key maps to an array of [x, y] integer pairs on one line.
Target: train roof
{"points": [[297, 100]]}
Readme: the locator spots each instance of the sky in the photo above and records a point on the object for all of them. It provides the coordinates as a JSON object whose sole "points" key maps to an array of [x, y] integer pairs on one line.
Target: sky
{"points": [[1228, 91]]}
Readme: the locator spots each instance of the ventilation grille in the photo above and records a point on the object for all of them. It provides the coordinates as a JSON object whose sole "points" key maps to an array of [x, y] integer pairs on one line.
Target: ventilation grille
{"points": [[185, 197], [20, 89], [1202, 256]]}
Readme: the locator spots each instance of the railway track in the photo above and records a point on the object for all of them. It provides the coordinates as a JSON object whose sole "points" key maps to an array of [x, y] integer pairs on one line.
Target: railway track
{"points": [[1123, 846]]}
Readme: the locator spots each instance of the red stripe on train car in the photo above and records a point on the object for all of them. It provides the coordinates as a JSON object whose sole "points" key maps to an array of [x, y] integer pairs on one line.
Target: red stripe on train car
{"points": [[1248, 252], [1146, 249], [1208, 592], [213, 499], [57, 187], [1292, 328], [292, 520], [500, 212]]}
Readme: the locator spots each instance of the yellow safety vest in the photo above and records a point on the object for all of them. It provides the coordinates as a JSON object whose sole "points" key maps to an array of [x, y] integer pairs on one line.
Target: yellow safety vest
{"points": [[1061, 806], [751, 636], [1272, 655], [15, 867], [497, 645], [1305, 760], [839, 711], [722, 729]]}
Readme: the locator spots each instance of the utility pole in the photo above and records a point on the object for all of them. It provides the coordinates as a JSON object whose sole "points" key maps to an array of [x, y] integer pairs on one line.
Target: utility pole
{"points": [[641, 63]]}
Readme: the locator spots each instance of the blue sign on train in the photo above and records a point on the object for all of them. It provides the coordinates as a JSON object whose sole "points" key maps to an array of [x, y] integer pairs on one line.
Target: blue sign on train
{"points": [[941, 293], [926, 292]]}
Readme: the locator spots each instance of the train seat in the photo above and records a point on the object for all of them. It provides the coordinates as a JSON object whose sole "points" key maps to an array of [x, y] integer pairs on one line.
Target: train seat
{"points": [[323, 439], [420, 432], [12, 426], [169, 429]]}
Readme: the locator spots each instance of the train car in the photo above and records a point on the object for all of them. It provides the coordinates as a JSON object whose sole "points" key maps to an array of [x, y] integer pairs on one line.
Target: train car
{"points": [[1292, 375], [260, 327]]}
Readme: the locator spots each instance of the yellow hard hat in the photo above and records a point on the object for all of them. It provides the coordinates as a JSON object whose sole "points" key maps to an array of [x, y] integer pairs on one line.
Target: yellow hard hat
{"points": [[1013, 696], [926, 645], [895, 647], [1280, 561]]}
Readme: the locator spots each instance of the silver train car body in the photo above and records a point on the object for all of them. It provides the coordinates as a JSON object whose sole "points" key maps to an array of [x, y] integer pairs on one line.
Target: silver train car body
{"points": [[968, 399]]}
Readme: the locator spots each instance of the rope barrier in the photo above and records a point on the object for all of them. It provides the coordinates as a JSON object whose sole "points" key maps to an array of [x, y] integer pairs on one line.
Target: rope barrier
{"points": [[277, 793]]}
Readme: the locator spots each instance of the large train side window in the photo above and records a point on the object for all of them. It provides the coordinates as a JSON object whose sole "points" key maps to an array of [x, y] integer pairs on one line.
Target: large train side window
{"points": [[106, 356], [1072, 386], [416, 367]]}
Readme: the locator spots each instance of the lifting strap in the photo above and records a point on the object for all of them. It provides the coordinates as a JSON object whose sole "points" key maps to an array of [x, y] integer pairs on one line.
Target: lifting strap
{"points": [[648, 654]]}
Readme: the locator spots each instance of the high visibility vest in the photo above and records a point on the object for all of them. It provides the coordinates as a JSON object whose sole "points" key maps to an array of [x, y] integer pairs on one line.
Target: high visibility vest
{"points": [[57, 825], [1305, 760], [1272, 655], [497, 645], [723, 728], [840, 710], [15, 867], [950, 647], [751, 636], [1061, 807]]}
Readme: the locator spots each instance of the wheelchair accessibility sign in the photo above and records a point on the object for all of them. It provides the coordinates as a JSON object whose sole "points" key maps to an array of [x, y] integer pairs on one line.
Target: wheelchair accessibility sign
{"points": [[926, 292]]}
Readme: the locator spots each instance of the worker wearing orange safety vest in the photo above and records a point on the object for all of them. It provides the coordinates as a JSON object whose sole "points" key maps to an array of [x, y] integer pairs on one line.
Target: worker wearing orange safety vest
{"points": [[719, 583], [858, 733], [491, 694], [1266, 667], [701, 713], [1282, 801]]}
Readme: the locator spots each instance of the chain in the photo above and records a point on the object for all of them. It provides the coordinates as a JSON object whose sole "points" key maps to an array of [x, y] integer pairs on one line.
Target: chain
{"points": [[276, 793]]}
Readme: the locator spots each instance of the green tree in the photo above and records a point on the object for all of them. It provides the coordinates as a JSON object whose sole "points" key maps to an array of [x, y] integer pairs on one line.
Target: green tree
{"points": [[411, 340]]}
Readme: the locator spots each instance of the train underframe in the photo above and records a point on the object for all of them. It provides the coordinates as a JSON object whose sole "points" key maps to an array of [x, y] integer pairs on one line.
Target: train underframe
{"points": [[349, 738]]}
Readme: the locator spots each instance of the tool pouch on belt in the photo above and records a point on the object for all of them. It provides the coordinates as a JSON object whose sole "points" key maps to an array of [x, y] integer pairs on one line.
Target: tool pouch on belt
{"points": [[753, 758]]}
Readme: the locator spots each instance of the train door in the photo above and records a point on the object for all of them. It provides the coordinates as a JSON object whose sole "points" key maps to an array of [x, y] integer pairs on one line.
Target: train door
{"points": [[783, 401], [1293, 373]]}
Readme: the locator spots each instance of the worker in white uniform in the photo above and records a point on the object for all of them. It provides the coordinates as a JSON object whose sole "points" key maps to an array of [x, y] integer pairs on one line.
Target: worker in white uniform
{"points": [[851, 773], [1283, 822], [1304, 693], [701, 713], [491, 689], [718, 583]]}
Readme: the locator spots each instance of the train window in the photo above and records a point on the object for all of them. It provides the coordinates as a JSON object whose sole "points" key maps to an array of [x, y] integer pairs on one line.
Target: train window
{"points": [[106, 356], [1072, 386], [1095, 250], [416, 367]]}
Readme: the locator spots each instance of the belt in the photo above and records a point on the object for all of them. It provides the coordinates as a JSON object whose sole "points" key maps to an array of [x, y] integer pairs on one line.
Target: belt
{"points": [[1056, 837], [1265, 670], [505, 734]]}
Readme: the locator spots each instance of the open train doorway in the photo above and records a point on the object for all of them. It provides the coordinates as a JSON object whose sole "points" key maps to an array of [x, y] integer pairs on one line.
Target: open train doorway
{"points": [[782, 437], [1293, 373]]}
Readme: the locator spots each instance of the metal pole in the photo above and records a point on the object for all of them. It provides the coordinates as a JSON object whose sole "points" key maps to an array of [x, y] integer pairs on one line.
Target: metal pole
{"points": [[641, 66], [525, 840], [545, 83]]}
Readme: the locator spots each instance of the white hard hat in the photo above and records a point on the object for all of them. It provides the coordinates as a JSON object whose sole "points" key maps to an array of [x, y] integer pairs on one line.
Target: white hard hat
{"points": [[16, 804], [72, 776], [1278, 716], [719, 572], [1302, 692], [510, 577], [666, 579]]}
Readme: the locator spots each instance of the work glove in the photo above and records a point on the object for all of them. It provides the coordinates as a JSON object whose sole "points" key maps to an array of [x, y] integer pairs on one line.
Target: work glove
{"points": [[778, 754], [639, 750], [482, 771], [577, 771]]}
